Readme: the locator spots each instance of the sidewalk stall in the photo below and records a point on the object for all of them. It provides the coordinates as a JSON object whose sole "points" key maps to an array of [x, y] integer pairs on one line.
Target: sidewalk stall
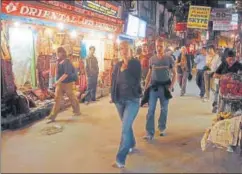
{"points": [[226, 130], [30, 34]]}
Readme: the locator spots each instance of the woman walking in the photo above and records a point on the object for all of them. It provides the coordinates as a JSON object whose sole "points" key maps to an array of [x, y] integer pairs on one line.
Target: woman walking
{"points": [[125, 93]]}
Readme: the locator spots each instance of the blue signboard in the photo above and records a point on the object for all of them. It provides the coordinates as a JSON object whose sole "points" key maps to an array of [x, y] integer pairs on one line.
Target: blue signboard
{"points": [[102, 7]]}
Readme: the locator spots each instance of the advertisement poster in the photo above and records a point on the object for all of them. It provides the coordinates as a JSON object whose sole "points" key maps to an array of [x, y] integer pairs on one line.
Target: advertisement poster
{"points": [[221, 14], [198, 17], [102, 7]]}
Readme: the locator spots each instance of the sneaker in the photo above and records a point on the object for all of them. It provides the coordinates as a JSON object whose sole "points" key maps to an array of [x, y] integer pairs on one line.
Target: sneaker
{"points": [[50, 120], [162, 133], [205, 100], [131, 150], [118, 165], [76, 114], [148, 137], [215, 109]]}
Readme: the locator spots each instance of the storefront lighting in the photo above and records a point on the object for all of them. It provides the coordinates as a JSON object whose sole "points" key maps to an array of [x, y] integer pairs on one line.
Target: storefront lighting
{"points": [[110, 36], [16, 24], [92, 34], [229, 5], [60, 26], [49, 31], [73, 34]]}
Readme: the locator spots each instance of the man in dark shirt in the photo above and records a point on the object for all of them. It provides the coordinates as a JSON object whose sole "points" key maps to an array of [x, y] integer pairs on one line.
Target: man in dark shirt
{"points": [[92, 71], [231, 65], [66, 76]]}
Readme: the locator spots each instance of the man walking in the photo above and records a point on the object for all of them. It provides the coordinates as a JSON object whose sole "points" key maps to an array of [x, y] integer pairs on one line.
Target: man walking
{"points": [[66, 76], [92, 71], [200, 60], [158, 79]]}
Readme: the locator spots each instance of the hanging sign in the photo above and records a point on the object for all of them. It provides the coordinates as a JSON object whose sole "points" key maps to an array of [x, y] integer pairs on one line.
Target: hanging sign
{"points": [[198, 17], [27, 10], [82, 11], [221, 14], [181, 26], [102, 7], [223, 26]]}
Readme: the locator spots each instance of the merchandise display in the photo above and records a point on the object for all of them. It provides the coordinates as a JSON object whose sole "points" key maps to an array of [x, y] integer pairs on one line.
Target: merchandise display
{"points": [[231, 86]]}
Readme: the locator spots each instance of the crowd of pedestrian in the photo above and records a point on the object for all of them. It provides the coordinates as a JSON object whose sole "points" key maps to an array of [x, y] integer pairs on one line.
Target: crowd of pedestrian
{"points": [[150, 76]]}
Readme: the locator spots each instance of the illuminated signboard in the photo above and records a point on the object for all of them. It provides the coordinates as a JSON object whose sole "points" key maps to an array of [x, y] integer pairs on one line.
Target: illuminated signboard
{"points": [[102, 7]]}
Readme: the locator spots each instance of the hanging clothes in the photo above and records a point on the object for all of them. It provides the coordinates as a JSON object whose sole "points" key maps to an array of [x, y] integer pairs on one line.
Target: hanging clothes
{"points": [[52, 74], [8, 85], [83, 52]]}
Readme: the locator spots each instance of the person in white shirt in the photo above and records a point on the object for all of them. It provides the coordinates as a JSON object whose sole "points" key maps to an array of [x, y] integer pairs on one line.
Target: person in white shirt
{"points": [[212, 63]]}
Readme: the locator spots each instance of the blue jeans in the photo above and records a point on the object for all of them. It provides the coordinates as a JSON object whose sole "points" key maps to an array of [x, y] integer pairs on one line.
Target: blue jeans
{"points": [[91, 88], [200, 82], [128, 110], [150, 119]]}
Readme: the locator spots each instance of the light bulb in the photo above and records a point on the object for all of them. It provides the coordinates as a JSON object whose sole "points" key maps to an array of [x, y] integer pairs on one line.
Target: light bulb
{"points": [[16, 24], [73, 34], [110, 36], [61, 26]]}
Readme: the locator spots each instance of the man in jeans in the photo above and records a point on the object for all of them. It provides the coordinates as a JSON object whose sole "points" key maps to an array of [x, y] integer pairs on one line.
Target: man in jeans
{"points": [[159, 76], [200, 60], [92, 71]]}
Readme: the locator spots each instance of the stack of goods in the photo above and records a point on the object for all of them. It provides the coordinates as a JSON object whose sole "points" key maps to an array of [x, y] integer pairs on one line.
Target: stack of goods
{"points": [[225, 132], [231, 86], [109, 50]]}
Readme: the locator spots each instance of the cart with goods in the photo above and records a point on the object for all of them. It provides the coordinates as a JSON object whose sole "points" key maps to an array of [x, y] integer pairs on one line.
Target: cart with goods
{"points": [[226, 129], [230, 92]]}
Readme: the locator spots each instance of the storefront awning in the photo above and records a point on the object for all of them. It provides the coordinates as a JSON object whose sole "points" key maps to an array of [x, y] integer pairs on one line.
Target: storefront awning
{"points": [[36, 12]]}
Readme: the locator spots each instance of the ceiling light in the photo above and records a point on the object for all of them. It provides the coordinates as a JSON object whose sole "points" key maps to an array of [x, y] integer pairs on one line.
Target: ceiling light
{"points": [[110, 36], [60, 26], [16, 24], [73, 34]]}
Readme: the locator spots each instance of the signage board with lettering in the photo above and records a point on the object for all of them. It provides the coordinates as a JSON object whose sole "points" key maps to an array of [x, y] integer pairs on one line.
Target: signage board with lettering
{"points": [[21, 9], [102, 7], [181, 26], [221, 14], [82, 11], [223, 26], [198, 17]]}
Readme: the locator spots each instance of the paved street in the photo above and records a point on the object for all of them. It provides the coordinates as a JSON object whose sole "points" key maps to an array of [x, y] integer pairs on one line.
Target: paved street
{"points": [[90, 143]]}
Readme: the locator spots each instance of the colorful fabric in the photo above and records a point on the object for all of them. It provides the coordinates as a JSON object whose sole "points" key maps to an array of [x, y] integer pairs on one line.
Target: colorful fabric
{"points": [[8, 85]]}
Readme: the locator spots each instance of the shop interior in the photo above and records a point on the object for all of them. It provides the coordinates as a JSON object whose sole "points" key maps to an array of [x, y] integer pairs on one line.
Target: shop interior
{"points": [[31, 51]]}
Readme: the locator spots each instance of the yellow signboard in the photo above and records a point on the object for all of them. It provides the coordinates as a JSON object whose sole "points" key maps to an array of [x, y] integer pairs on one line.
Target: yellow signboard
{"points": [[198, 17]]}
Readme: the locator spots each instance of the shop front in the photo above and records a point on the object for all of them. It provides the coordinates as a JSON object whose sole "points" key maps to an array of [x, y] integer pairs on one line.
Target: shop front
{"points": [[31, 33]]}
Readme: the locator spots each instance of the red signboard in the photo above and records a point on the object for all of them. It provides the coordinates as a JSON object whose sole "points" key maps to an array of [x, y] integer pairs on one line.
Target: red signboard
{"points": [[27, 10], [181, 26], [82, 11]]}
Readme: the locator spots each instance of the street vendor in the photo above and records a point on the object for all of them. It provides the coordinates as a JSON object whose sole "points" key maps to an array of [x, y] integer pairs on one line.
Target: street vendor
{"points": [[230, 65]]}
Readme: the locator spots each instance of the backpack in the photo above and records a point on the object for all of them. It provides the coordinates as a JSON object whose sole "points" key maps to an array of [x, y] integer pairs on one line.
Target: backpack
{"points": [[73, 76]]}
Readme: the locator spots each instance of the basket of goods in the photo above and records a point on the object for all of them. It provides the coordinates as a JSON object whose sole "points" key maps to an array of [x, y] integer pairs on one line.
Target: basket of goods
{"points": [[231, 86]]}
